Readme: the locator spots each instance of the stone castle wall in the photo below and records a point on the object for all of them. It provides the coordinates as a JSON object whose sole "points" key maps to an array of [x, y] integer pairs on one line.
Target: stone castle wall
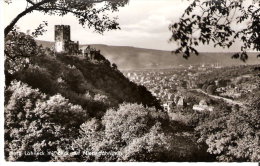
{"points": [[63, 43]]}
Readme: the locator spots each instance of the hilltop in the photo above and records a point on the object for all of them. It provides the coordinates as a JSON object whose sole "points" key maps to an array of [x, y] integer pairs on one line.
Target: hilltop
{"points": [[93, 84], [140, 58]]}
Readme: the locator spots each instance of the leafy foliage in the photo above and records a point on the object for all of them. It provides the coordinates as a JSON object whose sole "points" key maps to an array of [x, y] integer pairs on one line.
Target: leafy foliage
{"points": [[70, 76], [231, 133], [234, 136], [211, 89], [19, 49], [87, 12], [134, 132], [153, 146], [38, 124], [41, 122], [211, 21], [40, 29]]}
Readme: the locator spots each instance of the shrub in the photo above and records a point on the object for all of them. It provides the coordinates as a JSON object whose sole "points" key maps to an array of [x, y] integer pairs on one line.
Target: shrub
{"points": [[75, 80], [152, 146], [37, 124], [121, 131], [19, 49], [232, 136], [38, 77], [211, 89]]}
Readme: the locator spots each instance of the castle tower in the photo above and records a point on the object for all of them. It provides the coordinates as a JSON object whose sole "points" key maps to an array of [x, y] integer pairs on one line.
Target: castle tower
{"points": [[62, 38]]}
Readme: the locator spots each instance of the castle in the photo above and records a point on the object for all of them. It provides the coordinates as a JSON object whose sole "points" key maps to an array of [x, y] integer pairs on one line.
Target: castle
{"points": [[63, 43]]}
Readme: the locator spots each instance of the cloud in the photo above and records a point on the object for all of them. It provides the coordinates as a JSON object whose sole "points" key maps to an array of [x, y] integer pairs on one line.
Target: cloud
{"points": [[144, 23]]}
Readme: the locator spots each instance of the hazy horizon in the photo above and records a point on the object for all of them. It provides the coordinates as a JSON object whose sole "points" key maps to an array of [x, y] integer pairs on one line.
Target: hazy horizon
{"points": [[221, 51], [143, 24]]}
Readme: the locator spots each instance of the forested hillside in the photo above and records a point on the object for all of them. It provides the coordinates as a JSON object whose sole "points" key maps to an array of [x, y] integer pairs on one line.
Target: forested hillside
{"points": [[72, 108], [94, 85]]}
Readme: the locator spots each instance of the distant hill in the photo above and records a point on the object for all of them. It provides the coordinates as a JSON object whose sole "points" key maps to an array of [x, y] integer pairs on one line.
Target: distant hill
{"points": [[45, 43], [139, 58]]}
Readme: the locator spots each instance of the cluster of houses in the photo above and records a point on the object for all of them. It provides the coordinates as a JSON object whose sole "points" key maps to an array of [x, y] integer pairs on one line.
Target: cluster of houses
{"points": [[235, 88], [169, 88], [202, 106], [180, 101]]}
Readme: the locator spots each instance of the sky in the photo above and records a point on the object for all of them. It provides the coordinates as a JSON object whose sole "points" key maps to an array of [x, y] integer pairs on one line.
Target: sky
{"points": [[144, 23]]}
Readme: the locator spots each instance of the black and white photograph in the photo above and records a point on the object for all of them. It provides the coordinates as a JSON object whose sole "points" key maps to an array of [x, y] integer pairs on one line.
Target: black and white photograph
{"points": [[169, 81]]}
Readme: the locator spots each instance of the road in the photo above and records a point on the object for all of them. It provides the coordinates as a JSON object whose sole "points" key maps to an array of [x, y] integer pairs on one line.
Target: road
{"points": [[229, 101]]}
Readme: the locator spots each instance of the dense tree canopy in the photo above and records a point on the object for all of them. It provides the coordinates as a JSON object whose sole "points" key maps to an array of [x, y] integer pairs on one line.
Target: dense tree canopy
{"points": [[222, 23], [233, 135], [19, 48], [36, 123], [87, 12]]}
